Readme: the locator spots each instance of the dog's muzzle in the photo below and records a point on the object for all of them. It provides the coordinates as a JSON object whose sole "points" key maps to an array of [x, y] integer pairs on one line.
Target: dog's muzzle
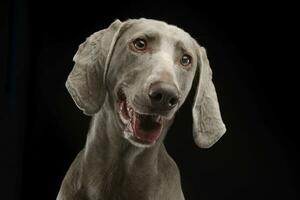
{"points": [[144, 126]]}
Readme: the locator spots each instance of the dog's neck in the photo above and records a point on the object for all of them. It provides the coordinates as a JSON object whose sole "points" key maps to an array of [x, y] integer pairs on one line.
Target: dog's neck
{"points": [[109, 160], [107, 147]]}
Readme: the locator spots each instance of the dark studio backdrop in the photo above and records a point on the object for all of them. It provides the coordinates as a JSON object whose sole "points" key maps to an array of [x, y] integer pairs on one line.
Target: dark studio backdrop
{"points": [[250, 50]]}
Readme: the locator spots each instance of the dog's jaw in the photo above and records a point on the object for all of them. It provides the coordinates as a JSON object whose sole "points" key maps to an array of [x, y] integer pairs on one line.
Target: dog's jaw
{"points": [[141, 130]]}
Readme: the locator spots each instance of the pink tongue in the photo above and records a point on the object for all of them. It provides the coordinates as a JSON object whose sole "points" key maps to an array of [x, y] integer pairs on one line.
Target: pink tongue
{"points": [[145, 129]]}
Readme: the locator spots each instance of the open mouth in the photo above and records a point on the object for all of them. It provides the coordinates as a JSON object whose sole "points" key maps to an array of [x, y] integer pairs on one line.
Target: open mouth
{"points": [[141, 129]]}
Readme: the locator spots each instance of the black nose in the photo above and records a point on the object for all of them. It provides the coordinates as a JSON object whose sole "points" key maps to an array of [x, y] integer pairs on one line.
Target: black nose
{"points": [[163, 95]]}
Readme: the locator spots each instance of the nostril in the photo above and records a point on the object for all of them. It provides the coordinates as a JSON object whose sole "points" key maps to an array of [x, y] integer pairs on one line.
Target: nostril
{"points": [[156, 96], [163, 95], [173, 101]]}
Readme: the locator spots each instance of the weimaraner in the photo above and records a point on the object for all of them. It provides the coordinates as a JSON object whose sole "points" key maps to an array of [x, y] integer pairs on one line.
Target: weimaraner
{"points": [[132, 78]]}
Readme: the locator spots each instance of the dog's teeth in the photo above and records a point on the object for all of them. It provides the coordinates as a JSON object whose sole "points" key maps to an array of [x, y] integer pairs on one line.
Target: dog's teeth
{"points": [[130, 111], [130, 127], [159, 119], [122, 118]]}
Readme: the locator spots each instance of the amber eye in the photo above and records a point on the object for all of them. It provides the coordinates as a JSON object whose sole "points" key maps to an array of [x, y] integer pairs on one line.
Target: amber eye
{"points": [[185, 60], [140, 44]]}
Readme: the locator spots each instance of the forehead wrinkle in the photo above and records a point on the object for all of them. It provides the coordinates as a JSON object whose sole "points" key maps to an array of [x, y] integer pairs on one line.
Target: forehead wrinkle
{"points": [[181, 46], [149, 34], [152, 29]]}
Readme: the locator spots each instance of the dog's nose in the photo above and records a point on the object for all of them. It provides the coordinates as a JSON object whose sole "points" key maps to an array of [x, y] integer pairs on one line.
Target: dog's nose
{"points": [[163, 95]]}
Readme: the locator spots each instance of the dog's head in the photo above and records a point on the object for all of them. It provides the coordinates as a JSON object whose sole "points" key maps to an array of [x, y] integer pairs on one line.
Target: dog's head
{"points": [[146, 69]]}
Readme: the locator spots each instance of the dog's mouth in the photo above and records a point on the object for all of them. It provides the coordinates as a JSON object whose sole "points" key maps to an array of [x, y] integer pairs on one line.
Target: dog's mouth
{"points": [[140, 129]]}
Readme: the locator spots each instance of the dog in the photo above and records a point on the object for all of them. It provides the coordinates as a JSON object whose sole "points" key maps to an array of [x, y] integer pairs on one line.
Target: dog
{"points": [[131, 78]]}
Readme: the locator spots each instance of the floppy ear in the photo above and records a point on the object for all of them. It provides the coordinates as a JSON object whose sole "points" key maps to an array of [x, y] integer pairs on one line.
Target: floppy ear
{"points": [[86, 82], [208, 126]]}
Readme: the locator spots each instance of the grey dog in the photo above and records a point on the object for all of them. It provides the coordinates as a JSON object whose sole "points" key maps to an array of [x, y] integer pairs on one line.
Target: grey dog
{"points": [[132, 78]]}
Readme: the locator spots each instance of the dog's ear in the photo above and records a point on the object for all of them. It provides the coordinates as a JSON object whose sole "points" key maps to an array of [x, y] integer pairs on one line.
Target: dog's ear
{"points": [[208, 126], [86, 82]]}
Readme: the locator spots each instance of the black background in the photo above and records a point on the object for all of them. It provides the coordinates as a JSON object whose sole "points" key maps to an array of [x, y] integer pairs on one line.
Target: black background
{"points": [[250, 47]]}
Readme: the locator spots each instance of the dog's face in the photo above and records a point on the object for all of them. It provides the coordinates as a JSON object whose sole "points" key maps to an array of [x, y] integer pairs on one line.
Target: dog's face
{"points": [[146, 68], [150, 74]]}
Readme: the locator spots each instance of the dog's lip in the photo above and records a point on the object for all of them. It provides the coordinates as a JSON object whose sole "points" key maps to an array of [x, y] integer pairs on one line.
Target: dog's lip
{"points": [[148, 110], [131, 108], [143, 109], [139, 127], [125, 118]]}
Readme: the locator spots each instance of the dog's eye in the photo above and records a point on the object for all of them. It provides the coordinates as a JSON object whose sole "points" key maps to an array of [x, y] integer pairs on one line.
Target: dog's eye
{"points": [[185, 60], [140, 44]]}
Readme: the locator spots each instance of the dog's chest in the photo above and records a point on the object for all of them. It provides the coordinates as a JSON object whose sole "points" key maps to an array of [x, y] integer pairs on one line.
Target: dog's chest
{"points": [[136, 186]]}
